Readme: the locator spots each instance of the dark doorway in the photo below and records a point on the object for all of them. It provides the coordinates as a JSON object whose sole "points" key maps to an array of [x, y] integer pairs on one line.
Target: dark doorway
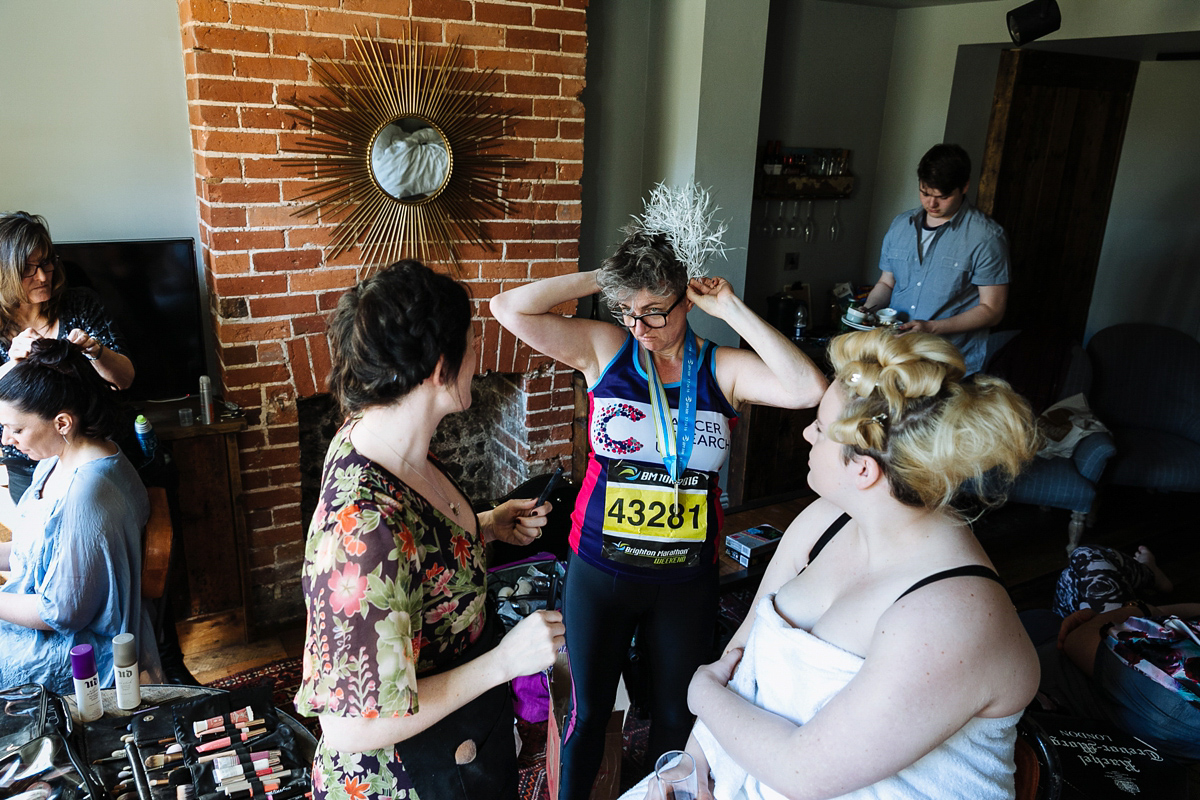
{"points": [[1053, 146]]}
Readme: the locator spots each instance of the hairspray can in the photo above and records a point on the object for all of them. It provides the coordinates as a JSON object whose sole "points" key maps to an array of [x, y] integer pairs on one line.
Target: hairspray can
{"points": [[87, 683], [125, 664]]}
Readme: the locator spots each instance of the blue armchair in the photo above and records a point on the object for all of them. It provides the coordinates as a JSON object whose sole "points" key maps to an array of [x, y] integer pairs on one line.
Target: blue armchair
{"points": [[1146, 389], [1045, 371]]}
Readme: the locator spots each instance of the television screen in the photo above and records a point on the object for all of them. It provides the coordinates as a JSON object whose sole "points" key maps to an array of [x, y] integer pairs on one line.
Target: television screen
{"points": [[152, 292]]}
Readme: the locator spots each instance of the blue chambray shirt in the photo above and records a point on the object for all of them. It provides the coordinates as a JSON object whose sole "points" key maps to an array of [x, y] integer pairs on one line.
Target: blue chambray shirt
{"points": [[82, 554], [968, 251]]}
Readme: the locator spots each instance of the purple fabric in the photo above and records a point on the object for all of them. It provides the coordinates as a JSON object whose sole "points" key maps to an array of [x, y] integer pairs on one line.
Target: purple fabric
{"points": [[532, 702]]}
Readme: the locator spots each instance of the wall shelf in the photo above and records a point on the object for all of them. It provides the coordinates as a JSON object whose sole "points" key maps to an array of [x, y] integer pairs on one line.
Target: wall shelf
{"points": [[806, 187]]}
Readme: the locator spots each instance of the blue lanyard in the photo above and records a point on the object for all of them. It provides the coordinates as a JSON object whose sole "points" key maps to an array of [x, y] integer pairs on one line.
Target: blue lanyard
{"points": [[675, 442]]}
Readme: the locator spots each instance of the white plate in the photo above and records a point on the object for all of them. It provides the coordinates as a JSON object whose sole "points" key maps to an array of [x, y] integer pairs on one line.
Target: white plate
{"points": [[858, 326]]}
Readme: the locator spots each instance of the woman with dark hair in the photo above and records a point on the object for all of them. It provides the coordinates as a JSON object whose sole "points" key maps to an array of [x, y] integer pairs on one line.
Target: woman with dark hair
{"points": [[76, 551], [662, 403], [403, 663], [35, 303]]}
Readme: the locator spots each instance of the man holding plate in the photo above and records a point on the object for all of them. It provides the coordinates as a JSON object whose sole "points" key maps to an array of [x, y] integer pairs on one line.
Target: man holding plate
{"points": [[945, 264]]}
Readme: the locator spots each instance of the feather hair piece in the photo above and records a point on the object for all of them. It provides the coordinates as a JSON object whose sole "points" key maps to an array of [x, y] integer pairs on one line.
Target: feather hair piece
{"points": [[685, 215]]}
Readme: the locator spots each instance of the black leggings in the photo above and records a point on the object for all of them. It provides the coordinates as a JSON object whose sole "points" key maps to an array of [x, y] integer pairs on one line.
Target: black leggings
{"points": [[675, 623]]}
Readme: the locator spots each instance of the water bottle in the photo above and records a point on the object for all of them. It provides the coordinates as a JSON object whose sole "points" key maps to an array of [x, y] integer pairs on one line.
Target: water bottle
{"points": [[145, 436], [800, 323], [206, 401]]}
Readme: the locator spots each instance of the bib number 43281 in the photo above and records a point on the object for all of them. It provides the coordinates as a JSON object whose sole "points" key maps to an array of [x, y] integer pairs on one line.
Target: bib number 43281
{"points": [[638, 513]]}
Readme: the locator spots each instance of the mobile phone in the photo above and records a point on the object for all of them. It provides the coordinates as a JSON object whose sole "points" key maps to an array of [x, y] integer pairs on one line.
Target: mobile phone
{"points": [[550, 484]]}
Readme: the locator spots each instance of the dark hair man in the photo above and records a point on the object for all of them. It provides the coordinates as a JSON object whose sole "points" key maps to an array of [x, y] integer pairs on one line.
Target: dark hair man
{"points": [[945, 264]]}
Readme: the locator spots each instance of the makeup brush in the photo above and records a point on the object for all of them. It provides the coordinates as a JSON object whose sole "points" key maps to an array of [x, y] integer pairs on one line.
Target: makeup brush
{"points": [[158, 761]]}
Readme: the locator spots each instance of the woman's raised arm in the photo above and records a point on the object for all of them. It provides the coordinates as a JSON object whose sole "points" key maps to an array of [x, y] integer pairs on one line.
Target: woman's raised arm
{"points": [[583, 344], [774, 372]]}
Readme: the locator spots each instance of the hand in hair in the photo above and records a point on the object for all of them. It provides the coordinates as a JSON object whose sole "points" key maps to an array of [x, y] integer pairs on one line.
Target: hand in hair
{"points": [[710, 294], [22, 343], [91, 347]]}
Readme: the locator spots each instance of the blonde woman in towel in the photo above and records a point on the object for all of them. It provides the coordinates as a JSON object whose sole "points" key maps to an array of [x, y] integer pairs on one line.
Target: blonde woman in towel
{"points": [[883, 658]]}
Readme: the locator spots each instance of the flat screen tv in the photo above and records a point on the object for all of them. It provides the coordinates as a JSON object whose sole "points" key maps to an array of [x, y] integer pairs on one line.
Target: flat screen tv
{"points": [[151, 289]]}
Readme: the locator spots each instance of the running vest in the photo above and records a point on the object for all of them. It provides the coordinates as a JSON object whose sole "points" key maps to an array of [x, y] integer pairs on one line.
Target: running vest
{"points": [[628, 519]]}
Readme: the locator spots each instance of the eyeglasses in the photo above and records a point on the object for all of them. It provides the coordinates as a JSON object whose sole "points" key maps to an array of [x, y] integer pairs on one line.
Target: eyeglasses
{"points": [[46, 265], [655, 319]]}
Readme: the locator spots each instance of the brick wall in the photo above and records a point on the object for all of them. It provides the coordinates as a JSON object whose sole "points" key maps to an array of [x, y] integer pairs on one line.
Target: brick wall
{"points": [[269, 278]]}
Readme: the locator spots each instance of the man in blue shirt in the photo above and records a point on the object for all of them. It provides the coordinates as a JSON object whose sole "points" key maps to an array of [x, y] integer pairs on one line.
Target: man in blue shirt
{"points": [[945, 264]]}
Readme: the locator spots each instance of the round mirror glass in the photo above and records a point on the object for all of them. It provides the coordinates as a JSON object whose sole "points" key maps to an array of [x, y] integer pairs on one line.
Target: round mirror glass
{"points": [[410, 159]]}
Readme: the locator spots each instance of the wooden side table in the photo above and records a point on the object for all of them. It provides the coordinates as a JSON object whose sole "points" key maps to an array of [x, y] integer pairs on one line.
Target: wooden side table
{"points": [[210, 583]]}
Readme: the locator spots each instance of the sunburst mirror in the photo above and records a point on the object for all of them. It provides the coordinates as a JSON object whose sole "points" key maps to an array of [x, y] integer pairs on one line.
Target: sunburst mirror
{"points": [[402, 151]]}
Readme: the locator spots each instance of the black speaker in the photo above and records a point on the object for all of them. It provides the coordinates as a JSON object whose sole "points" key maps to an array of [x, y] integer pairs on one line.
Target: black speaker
{"points": [[1033, 21]]}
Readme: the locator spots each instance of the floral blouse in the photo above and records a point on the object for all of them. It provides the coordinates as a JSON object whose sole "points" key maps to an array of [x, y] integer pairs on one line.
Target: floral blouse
{"points": [[393, 589]]}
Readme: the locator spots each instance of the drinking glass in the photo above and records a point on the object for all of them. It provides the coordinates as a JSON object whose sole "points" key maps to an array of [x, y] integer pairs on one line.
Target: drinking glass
{"points": [[780, 226], [675, 772], [810, 225], [835, 224], [793, 228], [764, 226]]}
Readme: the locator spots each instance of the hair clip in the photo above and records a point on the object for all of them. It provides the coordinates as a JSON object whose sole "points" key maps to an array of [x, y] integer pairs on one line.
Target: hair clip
{"points": [[880, 418], [854, 377]]}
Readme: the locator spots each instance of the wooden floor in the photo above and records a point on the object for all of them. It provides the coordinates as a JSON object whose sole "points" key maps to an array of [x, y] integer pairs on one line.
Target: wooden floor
{"points": [[1026, 544]]}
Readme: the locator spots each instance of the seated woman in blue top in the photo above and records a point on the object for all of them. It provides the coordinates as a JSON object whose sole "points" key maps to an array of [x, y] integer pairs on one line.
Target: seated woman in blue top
{"points": [[76, 552], [36, 303]]}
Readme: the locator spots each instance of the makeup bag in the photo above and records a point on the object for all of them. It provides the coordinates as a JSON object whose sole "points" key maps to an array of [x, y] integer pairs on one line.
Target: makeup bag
{"points": [[40, 747]]}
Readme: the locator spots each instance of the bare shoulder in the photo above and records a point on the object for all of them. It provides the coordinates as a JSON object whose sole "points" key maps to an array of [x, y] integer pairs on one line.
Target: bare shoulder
{"points": [[964, 633], [806, 529]]}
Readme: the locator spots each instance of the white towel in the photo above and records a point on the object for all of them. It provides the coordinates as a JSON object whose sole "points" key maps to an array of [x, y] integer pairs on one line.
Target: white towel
{"points": [[794, 674]]}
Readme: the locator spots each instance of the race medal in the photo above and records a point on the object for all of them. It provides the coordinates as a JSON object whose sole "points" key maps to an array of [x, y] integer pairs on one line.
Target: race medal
{"points": [[656, 517], [644, 525]]}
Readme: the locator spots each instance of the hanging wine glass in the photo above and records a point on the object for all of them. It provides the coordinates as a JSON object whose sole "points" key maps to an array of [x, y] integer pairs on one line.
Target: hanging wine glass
{"points": [[810, 225], [793, 228], [835, 224], [780, 226], [764, 224]]}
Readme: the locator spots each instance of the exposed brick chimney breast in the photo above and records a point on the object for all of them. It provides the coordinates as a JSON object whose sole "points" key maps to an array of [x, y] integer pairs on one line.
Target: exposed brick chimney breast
{"points": [[270, 281]]}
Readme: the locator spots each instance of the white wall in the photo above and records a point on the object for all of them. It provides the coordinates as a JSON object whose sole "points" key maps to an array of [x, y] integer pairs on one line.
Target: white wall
{"points": [[1149, 267], [614, 135], [93, 118], [824, 85], [691, 113]]}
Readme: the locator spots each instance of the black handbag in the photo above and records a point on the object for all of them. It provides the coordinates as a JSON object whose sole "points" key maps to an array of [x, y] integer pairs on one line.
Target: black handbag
{"points": [[471, 753], [39, 753]]}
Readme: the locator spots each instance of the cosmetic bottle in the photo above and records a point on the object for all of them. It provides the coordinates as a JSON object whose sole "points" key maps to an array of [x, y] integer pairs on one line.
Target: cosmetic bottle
{"points": [[87, 683], [206, 400], [147, 440], [125, 664]]}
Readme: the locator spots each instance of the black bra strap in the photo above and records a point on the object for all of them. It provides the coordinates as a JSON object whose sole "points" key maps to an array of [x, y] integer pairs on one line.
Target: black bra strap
{"points": [[977, 570], [829, 533]]}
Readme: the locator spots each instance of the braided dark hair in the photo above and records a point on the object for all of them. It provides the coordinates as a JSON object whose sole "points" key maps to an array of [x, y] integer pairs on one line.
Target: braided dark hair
{"points": [[388, 332], [56, 377]]}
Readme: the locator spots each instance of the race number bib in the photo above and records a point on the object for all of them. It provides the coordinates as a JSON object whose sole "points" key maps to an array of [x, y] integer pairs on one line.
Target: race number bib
{"points": [[645, 525]]}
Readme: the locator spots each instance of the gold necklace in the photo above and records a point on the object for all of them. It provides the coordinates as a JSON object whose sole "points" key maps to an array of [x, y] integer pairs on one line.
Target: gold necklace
{"points": [[453, 506]]}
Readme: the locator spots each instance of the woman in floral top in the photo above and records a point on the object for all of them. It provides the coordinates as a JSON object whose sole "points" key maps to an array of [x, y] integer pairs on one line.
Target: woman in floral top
{"points": [[402, 662]]}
